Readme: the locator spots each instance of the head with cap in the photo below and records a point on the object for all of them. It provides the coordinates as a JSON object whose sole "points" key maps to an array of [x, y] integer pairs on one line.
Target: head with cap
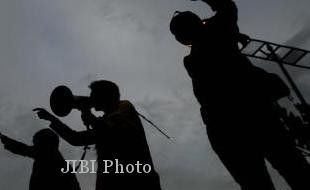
{"points": [[186, 27]]}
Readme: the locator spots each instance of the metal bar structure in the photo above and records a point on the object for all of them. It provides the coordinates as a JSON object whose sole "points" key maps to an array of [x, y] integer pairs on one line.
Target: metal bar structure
{"points": [[282, 55], [286, 55]]}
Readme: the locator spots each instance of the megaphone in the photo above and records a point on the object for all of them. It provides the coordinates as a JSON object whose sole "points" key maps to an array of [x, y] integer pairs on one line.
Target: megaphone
{"points": [[62, 101]]}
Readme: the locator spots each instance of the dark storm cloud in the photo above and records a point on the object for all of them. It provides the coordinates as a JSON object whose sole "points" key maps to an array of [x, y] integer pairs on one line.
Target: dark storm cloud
{"points": [[73, 42]]}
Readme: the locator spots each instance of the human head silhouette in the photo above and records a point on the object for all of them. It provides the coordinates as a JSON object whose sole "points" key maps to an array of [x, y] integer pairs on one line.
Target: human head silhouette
{"points": [[104, 95], [186, 27], [46, 138]]}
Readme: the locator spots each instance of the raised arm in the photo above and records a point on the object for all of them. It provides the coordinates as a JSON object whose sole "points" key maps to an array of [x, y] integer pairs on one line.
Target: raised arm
{"points": [[227, 16], [75, 138], [226, 11], [17, 147]]}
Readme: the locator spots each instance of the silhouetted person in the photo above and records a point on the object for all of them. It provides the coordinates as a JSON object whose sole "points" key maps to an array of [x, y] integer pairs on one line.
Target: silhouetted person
{"points": [[48, 161], [237, 100], [118, 134]]}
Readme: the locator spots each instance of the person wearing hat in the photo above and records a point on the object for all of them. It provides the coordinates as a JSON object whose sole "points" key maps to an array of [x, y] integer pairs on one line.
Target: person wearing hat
{"points": [[237, 100]]}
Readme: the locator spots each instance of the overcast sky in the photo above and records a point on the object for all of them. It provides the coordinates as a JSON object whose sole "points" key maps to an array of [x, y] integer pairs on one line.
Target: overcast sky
{"points": [[46, 43]]}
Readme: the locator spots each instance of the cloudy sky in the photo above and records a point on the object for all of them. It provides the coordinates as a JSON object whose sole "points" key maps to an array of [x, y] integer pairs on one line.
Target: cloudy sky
{"points": [[73, 42]]}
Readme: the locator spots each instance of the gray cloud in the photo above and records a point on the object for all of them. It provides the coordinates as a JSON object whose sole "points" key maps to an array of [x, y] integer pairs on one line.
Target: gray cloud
{"points": [[73, 42]]}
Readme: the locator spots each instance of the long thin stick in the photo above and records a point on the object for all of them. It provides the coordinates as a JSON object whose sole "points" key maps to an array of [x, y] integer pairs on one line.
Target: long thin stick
{"points": [[150, 122]]}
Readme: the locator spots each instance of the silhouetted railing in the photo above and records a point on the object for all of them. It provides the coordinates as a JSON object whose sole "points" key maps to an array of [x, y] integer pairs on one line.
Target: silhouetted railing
{"points": [[288, 55]]}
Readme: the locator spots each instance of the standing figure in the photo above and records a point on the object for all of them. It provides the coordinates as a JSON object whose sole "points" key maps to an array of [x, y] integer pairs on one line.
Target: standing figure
{"points": [[48, 161], [237, 100], [118, 135]]}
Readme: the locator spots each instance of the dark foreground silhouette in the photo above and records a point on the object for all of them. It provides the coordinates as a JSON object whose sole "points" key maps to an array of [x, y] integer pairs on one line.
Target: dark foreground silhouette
{"points": [[118, 134], [46, 172], [238, 101]]}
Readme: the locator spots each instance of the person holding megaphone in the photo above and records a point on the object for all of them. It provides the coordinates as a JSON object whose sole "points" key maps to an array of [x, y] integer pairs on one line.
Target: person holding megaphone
{"points": [[118, 135]]}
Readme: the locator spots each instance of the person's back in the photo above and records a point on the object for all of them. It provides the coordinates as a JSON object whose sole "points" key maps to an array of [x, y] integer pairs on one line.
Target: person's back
{"points": [[124, 132], [215, 64], [225, 82], [46, 172], [48, 161]]}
